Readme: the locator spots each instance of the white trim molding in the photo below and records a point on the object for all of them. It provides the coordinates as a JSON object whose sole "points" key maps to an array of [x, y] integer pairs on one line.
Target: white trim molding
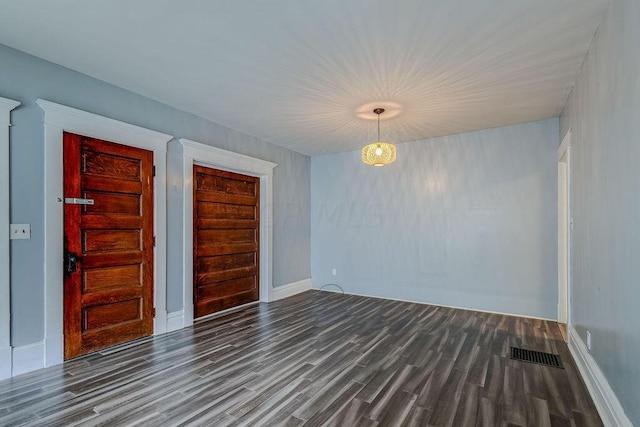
{"points": [[564, 241], [202, 154], [28, 358], [565, 144], [338, 290], [175, 320], [606, 401], [291, 289], [6, 105], [57, 120]]}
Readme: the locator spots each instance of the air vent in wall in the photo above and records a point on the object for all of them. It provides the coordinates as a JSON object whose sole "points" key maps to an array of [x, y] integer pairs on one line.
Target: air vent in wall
{"points": [[530, 356]]}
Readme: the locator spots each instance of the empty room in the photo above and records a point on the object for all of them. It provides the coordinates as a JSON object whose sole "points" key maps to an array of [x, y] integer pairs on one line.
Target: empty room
{"points": [[319, 213]]}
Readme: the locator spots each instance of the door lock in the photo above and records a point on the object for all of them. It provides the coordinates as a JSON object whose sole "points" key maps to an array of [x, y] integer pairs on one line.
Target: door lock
{"points": [[71, 261]]}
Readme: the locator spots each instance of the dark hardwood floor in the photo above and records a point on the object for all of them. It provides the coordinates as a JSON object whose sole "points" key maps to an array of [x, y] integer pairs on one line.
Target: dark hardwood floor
{"points": [[317, 358]]}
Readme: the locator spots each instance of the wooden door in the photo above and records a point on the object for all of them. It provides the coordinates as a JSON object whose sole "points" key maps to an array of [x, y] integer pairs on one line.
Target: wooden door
{"points": [[108, 286], [226, 229]]}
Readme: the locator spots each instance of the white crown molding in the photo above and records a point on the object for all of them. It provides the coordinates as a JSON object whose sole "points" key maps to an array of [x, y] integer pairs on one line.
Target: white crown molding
{"points": [[606, 401], [202, 154], [6, 105], [58, 119]]}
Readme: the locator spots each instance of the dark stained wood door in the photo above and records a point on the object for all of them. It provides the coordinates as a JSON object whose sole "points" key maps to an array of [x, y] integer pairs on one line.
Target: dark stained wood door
{"points": [[226, 232], [108, 286]]}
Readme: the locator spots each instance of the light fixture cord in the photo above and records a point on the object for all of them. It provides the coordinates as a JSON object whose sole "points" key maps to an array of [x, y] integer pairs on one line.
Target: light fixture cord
{"points": [[378, 127]]}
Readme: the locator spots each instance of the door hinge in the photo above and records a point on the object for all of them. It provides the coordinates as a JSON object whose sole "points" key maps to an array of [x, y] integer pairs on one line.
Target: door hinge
{"points": [[153, 312], [154, 170], [154, 241]]}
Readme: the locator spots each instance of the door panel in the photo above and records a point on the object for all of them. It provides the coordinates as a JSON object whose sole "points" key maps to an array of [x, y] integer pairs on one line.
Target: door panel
{"points": [[226, 262], [108, 297], [216, 236], [110, 240], [225, 240], [225, 211], [98, 279], [113, 203], [228, 287]]}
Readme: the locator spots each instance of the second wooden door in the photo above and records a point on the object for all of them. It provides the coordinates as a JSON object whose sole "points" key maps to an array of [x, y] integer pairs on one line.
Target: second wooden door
{"points": [[226, 229]]}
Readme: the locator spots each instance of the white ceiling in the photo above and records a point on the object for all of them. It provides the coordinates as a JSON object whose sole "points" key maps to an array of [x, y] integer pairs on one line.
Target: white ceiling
{"points": [[305, 74]]}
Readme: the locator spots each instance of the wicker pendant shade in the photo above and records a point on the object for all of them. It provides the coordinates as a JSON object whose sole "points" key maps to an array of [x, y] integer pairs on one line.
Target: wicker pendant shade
{"points": [[379, 153]]}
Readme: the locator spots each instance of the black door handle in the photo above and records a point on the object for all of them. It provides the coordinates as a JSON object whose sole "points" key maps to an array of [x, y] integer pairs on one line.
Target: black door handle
{"points": [[71, 261]]}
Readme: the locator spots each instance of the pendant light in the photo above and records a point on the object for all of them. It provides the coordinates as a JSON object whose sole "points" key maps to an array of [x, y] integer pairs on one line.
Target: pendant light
{"points": [[379, 153]]}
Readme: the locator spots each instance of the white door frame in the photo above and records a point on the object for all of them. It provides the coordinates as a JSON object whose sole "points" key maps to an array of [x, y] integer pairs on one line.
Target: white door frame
{"points": [[205, 155], [58, 119], [6, 105], [564, 230]]}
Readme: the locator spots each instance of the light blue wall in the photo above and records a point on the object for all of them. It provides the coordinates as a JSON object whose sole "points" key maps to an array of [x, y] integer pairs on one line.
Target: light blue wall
{"points": [[603, 113], [466, 220], [26, 78]]}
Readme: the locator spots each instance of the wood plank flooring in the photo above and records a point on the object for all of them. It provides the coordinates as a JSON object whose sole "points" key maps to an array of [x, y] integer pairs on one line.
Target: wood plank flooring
{"points": [[314, 359]]}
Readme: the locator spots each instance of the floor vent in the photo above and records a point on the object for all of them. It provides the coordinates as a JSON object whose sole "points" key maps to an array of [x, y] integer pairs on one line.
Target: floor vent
{"points": [[546, 359]]}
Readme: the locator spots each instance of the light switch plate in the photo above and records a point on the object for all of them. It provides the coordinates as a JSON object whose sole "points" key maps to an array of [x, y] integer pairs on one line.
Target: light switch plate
{"points": [[20, 231]]}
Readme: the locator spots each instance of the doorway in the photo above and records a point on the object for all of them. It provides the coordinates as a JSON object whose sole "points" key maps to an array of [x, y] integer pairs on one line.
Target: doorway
{"points": [[564, 230], [108, 244], [226, 240]]}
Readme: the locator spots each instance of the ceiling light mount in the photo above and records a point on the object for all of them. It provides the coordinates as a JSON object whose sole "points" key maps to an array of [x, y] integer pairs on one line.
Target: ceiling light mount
{"points": [[379, 153]]}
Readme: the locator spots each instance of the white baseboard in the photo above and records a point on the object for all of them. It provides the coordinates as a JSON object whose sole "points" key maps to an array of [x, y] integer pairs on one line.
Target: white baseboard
{"points": [[608, 405], [291, 289], [175, 321], [5, 362], [53, 350], [437, 304], [160, 322], [27, 358]]}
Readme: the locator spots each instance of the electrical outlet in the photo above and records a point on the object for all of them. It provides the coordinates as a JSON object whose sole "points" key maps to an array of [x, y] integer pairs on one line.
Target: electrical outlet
{"points": [[19, 231], [588, 340], [334, 272]]}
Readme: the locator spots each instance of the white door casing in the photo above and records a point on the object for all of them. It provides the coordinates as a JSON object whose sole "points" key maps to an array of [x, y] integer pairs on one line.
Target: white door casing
{"points": [[206, 155], [6, 105], [58, 119], [564, 230]]}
